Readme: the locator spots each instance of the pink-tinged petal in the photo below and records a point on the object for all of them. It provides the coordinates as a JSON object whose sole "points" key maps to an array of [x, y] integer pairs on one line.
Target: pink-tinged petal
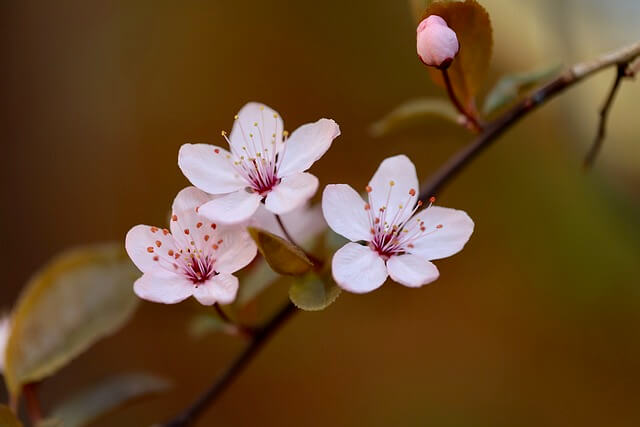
{"points": [[148, 248], [446, 232], [190, 198], [221, 288], [436, 43], [209, 168], [346, 212], [394, 184], [292, 192], [358, 269], [255, 118], [163, 289], [187, 224], [306, 145], [411, 270], [235, 249], [231, 208]]}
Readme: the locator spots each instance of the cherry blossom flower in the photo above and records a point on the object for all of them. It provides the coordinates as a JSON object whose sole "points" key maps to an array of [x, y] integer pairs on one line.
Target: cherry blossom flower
{"points": [[5, 330], [400, 243], [436, 43], [263, 163], [197, 257]]}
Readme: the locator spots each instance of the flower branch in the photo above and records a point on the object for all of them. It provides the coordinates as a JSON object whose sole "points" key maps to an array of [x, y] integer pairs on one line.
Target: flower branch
{"points": [[575, 74]]}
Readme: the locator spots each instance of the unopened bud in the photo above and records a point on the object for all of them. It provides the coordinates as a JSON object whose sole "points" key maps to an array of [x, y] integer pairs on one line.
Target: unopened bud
{"points": [[437, 44]]}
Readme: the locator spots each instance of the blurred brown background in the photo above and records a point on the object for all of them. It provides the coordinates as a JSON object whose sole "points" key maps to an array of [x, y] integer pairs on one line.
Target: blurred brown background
{"points": [[535, 323]]}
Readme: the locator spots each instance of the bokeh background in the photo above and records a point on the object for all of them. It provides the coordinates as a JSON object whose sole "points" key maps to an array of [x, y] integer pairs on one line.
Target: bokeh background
{"points": [[535, 323]]}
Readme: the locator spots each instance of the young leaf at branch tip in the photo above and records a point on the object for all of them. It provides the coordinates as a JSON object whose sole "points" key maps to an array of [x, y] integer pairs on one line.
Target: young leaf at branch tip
{"points": [[413, 112], [81, 296], [107, 395], [8, 418], [472, 25], [509, 88], [313, 292], [283, 256]]}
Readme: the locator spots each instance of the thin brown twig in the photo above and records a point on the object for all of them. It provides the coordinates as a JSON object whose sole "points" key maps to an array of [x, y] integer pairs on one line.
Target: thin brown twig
{"points": [[437, 181], [34, 411], [456, 102], [604, 115]]}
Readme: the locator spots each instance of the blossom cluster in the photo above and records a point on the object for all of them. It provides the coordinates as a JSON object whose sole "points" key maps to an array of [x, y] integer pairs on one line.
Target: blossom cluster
{"points": [[262, 176]]}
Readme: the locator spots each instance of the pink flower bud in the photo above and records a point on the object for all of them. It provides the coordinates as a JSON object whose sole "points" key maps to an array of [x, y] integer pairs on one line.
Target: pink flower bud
{"points": [[437, 44]]}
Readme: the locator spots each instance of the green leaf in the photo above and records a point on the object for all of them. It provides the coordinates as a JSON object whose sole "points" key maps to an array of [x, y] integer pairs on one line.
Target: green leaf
{"points": [[98, 399], [415, 111], [510, 88], [314, 293], [469, 68], [79, 297], [282, 256], [8, 418]]}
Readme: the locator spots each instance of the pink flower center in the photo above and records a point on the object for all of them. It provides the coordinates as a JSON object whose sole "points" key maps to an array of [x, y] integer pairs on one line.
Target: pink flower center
{"points": [[394, 235], [258, 156], [191, 254]]}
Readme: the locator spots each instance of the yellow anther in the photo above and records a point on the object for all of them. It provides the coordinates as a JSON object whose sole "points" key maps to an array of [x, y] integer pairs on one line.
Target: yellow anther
{"points": [[235, 117], [392, 183], [255, 123], [262, 108], [223, 133]]}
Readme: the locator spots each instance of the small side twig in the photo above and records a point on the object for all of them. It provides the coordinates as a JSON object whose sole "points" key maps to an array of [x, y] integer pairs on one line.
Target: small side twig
{"points": [[604, 115], [34, 410], [471, 119]]}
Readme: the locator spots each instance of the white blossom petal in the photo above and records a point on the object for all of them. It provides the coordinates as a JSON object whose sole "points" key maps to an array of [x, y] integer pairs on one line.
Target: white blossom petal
{"points": [[292, 192], [358, 269], [257, 119], [189, 228], [169, 289], [189, 198], [231, 208], [306, 145], [345, 212], [394, 184], [446, 232], [209, 168], [411, 270], [145, 244], [221, 288], [235, 250]]}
